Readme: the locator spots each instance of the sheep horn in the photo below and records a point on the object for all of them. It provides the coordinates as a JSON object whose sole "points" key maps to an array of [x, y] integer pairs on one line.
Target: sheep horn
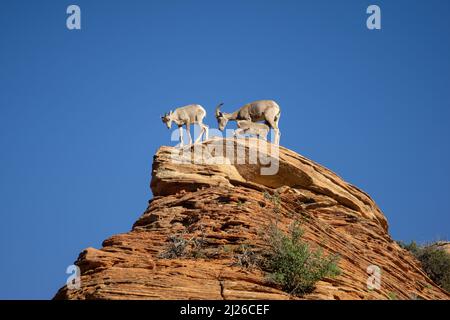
{"points": [[218, 113]]}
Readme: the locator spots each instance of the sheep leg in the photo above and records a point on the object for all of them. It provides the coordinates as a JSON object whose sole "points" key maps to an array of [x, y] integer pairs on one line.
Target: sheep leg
{"points": [[200, 135], [276, 120], [274, 125], [188, 130], [206, 131], [180, 129], [277, 136]]}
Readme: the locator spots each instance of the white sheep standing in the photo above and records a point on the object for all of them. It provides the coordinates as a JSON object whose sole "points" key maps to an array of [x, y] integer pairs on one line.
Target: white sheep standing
{"points": [[262, 110], [187, 115]]}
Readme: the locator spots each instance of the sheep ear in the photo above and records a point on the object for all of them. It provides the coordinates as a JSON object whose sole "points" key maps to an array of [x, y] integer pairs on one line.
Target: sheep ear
{"points": [[171, 112]]}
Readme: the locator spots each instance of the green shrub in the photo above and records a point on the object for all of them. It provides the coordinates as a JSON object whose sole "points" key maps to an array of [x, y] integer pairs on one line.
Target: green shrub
{"points": [[435, 262], [293, 264], [412, 247], [275, 199], [392, 295]]}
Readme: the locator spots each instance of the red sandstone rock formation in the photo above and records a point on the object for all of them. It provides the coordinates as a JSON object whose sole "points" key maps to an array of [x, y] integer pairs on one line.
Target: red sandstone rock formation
{"points": [[226, 206]]}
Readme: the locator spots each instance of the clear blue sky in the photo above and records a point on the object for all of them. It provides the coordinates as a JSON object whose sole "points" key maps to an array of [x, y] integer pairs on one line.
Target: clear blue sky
{"points": [[79, 110]]}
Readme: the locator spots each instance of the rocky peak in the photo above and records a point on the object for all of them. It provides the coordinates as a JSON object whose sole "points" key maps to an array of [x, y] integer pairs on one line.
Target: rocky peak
{"points": [[218, 195]]}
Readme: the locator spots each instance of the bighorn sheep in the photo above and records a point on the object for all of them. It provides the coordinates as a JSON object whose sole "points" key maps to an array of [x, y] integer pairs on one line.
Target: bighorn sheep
{"points": [[262, 110], [187, 115], [248, 127]]}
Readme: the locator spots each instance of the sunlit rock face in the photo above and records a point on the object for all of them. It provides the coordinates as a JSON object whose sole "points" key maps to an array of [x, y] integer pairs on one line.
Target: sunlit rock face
{"points": [[214, 192]]}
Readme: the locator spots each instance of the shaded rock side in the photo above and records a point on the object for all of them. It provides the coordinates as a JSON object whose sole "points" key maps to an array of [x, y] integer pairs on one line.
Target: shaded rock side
{"points": [[226, 204]]}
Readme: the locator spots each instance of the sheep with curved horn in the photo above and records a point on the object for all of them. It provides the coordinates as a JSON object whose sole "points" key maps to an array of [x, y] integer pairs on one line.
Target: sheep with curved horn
{"points": [[262, 110]]}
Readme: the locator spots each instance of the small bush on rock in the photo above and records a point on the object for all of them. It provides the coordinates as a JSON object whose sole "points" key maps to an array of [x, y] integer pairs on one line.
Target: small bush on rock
{"points": [[292, 264], [435, 262]]}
